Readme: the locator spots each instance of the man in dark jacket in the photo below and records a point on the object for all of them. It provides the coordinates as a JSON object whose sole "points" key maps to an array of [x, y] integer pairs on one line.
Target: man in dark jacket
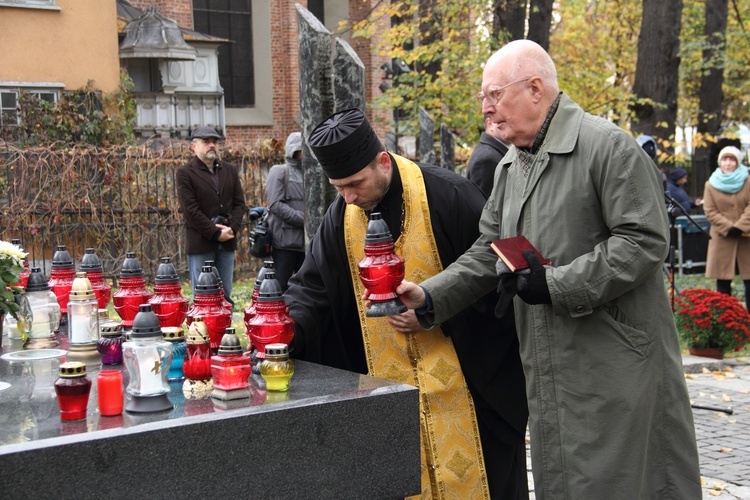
{"points": [[213, 204], [485, 157], [676, 189]]}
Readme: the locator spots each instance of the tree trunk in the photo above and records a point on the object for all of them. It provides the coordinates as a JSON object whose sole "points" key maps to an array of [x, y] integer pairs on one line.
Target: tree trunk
{"points": [[540, 18], [656, 72], [711, 95], [508, 20]]}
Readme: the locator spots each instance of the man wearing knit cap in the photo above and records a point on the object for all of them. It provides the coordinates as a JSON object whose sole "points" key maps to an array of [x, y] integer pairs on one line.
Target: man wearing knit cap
{"points": [[473, 405], [678, 178]]}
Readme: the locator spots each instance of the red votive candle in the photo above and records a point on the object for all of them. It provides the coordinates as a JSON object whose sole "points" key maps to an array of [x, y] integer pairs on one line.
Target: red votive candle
{"points": [[110, 392]]}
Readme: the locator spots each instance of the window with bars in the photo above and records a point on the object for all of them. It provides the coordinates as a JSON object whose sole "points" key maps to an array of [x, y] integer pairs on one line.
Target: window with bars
{"points": [[9, 103], [231, 19]]}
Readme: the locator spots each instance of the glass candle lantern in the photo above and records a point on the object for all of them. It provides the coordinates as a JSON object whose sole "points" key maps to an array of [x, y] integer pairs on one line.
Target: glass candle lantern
{"points": [[110, 342], [18, 327], [61, 278], [381, 270], [230, 369], [72, 389], [132, 292], [168, 303], [25, 272], [271, 323], [224, 302], [251, 309], [45, 312], [109, 392], [197, 364], [276, 368], [147, 359], [91, 265], [175, 335], [207, 303], [83, 312]]}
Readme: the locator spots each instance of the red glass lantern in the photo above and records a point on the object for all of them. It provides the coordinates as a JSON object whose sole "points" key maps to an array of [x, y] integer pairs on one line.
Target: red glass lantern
{"points": [[168, 303], [61, 277], [207, 303], [25, 272], [224, 302], [197, 364], [73, 389], [250, 310], [271, 323], [132, 292], [91, 265], [230, 369], [381, 271]]}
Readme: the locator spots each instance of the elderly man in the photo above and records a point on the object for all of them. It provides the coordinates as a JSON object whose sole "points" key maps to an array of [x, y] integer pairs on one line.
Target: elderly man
{"points": [[468, 370], [213, 204], [609, 414]]}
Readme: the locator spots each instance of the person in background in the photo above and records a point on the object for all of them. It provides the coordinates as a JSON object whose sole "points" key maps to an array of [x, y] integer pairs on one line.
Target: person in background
{"points": [[212, 204], [286, 207], [485, 157], [472, 401], [726, 202], [609, 411], [648, 144], [678, 178]]}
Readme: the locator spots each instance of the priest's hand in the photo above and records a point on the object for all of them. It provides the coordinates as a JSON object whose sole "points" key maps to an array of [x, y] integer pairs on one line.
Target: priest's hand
{"points": [[411, 294], [405, 322]]}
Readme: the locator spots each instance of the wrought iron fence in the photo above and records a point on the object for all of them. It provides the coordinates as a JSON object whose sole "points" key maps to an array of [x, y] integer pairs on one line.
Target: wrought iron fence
{"points": [[114, 200]]}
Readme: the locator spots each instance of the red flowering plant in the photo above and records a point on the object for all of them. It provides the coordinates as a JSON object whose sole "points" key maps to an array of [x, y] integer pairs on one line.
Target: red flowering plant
{"points": [[707, 318]]}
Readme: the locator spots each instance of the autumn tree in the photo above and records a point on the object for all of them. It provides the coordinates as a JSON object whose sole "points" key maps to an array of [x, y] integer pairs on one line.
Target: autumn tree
{"points": [[656, 82]]}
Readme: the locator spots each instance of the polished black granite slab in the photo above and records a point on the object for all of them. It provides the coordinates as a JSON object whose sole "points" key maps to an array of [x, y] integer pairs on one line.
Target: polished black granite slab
{"points": [[335, 434]]}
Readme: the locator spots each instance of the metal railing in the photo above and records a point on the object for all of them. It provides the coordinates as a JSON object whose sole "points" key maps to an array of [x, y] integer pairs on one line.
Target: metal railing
{"points": [[114, 200]]}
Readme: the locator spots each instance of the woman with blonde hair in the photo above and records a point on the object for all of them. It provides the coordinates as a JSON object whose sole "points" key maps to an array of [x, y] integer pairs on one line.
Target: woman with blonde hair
{"points": [[726, 202]]}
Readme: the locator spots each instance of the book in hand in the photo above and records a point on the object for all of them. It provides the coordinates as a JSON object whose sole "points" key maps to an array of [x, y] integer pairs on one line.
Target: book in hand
{"points": [[510, 250]]}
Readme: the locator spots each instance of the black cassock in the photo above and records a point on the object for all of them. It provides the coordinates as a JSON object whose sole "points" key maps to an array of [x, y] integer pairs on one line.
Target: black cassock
{"points": [[322, 303]]}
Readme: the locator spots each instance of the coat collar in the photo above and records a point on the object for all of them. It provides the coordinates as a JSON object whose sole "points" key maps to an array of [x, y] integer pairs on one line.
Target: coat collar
{"points": [[563, 131]]}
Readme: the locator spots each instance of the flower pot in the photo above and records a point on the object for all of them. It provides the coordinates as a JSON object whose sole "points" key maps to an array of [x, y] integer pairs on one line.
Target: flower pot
{"points": [[707, 352]]}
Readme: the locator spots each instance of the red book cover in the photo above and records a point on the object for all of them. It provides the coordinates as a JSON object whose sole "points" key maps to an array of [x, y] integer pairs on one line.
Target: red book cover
{"points": [[511, 251]]}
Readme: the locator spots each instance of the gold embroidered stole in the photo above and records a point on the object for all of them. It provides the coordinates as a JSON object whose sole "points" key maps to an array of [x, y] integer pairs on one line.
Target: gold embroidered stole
{"points": [[452, 460]]}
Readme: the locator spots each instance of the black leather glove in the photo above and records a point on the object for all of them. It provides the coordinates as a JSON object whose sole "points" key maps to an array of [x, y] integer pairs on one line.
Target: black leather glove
{"points": [[507, 288], [532, 287], [734, 232]]}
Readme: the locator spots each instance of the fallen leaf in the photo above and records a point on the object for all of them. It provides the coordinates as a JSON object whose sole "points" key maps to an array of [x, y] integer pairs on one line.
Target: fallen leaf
{"points": [[705, 370], [714, 493], [733, 421], [726, 397], [703, 481], [731, 375], [741, 360], [691, 376], [701, 394], [725, 450], [728, 369], [719, 486], [744, 391], [718, 376]]}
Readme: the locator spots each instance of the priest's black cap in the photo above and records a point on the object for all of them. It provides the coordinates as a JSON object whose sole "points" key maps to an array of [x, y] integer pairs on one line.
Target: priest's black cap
{"points": [[344, 143]]}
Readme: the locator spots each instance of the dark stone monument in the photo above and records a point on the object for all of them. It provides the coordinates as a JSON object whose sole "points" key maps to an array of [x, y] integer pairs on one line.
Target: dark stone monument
{"points": [[327, 84], [426, 137], [316, 102], [447, 148]]}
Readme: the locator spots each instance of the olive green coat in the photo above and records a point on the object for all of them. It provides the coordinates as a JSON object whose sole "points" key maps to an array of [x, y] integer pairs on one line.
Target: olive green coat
{"points": [[609, 410]]}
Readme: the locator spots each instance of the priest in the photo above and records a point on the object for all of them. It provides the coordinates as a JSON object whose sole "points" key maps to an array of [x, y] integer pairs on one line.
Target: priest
{"points": [[472, 401]]}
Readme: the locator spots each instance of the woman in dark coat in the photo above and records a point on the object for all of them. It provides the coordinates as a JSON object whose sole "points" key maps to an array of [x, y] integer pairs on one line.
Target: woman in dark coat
{"points": [[726, 201]]}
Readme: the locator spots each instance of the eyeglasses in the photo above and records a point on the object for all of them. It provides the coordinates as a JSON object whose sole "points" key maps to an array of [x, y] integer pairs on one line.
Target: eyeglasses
{"points": [[494, 94]]}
